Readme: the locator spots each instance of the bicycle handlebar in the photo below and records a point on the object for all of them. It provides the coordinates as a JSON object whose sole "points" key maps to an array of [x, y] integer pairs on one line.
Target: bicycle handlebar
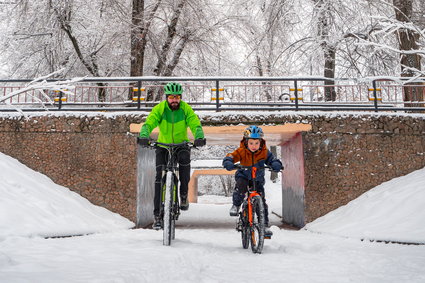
{"points": [[238, 166], [152, 143], [185, 143]]}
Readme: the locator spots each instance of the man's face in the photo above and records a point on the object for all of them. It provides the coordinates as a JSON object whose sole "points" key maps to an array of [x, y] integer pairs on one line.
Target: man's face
{"points": [[174, 101], [253, 144]]}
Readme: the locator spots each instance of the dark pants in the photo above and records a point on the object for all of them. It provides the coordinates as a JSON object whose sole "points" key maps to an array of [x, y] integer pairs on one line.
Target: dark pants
{"points": [[239, 194], [183, 159]]}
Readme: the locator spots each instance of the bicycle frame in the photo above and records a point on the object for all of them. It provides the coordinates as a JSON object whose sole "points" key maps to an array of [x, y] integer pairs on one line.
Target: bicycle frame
{"points": [[252, 192], [170, 209]]}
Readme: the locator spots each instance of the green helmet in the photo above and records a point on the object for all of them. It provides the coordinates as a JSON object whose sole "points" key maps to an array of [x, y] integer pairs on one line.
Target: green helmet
{"points": [[173, 89]]}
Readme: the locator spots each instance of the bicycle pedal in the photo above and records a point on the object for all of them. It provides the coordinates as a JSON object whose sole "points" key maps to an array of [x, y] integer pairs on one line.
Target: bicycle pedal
{"points": [[267, 237]]}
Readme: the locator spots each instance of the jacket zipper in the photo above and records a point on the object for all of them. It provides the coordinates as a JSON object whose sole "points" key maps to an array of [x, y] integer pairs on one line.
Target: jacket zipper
{"points": [[252, 155], [172, 125]]}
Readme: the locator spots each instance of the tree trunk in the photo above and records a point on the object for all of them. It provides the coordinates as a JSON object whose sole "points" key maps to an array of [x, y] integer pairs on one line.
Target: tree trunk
{"points": [[407, 39], [329, 51], [176, 57], [161, 66], [139, 30], [138, 39], [172, 27], [330, 94], [266, 86], [90, 62]]}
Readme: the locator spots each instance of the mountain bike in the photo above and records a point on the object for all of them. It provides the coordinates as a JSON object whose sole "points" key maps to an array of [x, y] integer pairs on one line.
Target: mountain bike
{"points": [[170, 206], [251, 222]]}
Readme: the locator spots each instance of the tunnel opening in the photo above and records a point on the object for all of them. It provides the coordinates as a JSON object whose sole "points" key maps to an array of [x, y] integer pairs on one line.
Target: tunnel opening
{"points": [[288, 137]]}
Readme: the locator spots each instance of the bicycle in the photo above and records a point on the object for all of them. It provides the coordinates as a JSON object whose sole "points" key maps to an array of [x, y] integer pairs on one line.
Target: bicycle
{"points": [[170, 205], [251, 221]]}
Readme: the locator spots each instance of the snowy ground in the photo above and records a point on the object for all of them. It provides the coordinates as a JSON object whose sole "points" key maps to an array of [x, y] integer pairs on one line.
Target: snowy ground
{"points": [[207, 248]]}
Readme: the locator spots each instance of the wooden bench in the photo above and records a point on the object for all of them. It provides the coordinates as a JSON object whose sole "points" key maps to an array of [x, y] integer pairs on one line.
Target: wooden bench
{"points": [[193, 184]]}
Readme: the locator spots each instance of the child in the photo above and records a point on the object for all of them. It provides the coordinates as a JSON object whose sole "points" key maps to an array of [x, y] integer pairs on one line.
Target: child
{"points": [[251, 152]]}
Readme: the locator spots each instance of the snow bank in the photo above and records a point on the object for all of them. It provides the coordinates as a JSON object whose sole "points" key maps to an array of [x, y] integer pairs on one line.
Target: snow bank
{"points": [[392, 211], [32, 204]]}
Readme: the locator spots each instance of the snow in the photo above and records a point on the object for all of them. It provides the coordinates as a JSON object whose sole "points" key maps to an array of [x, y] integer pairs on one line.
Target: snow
{"points": [[402, 219], [43, 208], [207, 247], [209, 163]]}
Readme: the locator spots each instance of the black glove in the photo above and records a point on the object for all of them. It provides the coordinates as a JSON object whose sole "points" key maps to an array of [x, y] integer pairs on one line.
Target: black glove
{"points": [[277, 166], [143, 142], [199, 142], [228, 165]]}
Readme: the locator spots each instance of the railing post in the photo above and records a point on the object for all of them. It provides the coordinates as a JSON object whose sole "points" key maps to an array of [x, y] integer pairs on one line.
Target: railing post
{"points": [[139, 86], [60, 100], [296, 94], [375, 97], [217, 95]]}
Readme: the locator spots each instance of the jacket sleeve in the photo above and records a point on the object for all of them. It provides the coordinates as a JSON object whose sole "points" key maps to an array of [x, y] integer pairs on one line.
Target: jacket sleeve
{"points": [[234, 156], [193, 122], [152, 121], [273, 161]]}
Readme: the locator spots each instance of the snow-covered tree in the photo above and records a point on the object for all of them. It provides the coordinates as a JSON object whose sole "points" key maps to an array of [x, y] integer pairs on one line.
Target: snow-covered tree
{"points": [[408, 36], [338, 38], [78, 35]]}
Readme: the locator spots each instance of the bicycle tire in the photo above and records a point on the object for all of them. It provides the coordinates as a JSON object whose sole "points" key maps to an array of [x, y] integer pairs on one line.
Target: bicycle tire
{"points": [[244, 226], [168, 201], [257, 228], [175, 208]]}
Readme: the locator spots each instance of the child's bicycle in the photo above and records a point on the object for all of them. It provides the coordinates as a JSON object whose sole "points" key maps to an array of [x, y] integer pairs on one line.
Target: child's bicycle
{"points": [[251, 222], [170, 206]]}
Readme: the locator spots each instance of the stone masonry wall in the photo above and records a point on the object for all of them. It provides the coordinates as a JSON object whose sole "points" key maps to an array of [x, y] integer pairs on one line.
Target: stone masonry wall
{"points": [[346, 157], [92, 154]]}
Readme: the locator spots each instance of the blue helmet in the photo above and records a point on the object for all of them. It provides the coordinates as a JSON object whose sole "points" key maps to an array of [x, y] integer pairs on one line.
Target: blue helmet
{"points": [[253, 132]]}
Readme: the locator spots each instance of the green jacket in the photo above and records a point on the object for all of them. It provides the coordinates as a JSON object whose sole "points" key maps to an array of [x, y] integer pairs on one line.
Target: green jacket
{"points": [[172, 124]]}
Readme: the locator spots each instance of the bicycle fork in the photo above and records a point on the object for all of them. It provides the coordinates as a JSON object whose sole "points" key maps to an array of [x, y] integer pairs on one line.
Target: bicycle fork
{"points": [[250, 220], [245, 216], [250, 208]]}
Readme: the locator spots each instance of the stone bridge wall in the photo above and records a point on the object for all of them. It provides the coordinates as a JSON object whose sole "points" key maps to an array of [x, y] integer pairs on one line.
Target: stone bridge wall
{"points": [[344, 155], [90, 154]]}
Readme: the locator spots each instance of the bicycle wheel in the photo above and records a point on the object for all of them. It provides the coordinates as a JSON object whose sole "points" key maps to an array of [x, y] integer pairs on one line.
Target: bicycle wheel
{"points": [[168, 219], [243, 220], [257, 228]]}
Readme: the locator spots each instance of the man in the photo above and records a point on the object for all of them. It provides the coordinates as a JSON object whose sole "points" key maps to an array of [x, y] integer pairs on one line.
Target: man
{"points": [[172, 116]]}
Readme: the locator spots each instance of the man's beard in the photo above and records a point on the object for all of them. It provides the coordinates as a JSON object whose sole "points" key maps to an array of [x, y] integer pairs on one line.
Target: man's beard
{"points": [[174, 105]]}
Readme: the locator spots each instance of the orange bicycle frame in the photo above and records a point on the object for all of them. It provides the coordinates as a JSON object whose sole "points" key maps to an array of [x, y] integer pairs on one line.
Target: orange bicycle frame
{"points": [[251, 195]]}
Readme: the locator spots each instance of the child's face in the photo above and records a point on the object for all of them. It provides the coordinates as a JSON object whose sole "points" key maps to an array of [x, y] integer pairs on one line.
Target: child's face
{"points": [[253, 144]]}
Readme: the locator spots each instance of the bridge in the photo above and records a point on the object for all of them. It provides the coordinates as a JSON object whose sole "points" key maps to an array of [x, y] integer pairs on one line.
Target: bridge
{"points": [[224, 135], [341, 157]]}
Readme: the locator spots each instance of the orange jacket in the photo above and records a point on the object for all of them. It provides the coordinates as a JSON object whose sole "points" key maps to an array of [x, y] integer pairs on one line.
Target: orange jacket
{"points": [[245, 157]]}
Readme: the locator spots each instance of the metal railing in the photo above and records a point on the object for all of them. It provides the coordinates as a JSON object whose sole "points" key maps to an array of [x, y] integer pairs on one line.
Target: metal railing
{"points": [[222, 94]]}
